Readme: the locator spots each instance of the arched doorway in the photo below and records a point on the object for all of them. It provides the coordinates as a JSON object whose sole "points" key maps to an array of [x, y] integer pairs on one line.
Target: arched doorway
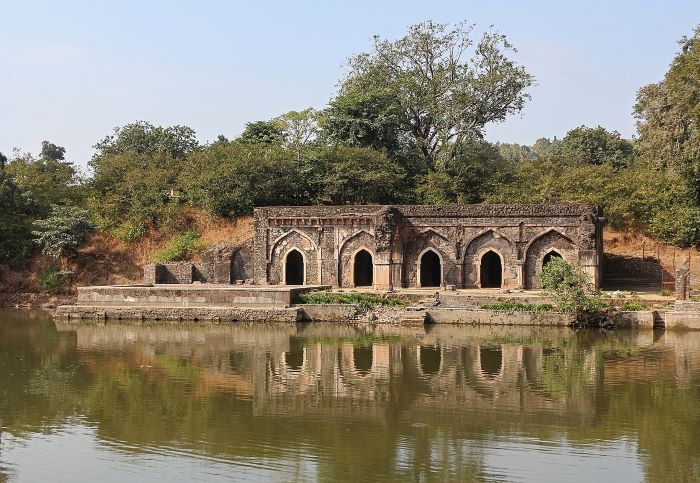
{"points": [[363, 269], [491, 270], [550, 256], [491, 359], [294, 268], [430, 269]]}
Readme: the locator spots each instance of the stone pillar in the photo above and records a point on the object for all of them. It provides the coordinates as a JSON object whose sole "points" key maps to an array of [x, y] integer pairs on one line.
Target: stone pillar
{"points": [[589, 262], [382, 272], [520, 267], [683, 282]]}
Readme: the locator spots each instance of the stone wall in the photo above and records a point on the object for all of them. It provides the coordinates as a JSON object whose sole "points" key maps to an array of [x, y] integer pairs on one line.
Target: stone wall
{"points": [[171, 272], [399, 236], [225, 263]]}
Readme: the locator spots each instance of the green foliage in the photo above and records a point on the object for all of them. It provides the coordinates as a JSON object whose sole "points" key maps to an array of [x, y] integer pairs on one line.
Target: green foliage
{"points": [[44, 181], [180, 247], [51, 280], [585, 145], [476, 171], [52, 152], [358, 175], [63, 231], [633, 306], [143, 138], [569, 286], [517, 307], [134, 189], [128, 232], [262, 132], [240, 176], [363, 301], [439, 95], [15, 228]]}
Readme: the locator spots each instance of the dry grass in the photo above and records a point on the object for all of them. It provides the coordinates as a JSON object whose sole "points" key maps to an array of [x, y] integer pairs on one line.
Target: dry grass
{"points": [[105, 259], [636, 245]]}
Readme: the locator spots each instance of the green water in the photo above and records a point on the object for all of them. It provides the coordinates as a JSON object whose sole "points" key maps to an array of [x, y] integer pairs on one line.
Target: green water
{"points": [[345, 403]]}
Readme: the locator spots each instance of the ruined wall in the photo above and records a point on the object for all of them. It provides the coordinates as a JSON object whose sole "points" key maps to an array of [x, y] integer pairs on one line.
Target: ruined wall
{"points": [[348, 249], [171, 272], [397, 237], [551, 241]]}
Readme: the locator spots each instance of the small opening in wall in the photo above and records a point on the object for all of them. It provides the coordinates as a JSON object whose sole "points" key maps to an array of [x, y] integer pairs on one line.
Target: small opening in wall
{"points": [[294, 268], [491, 270], [549, 257], [363, 276], [430, 270]]}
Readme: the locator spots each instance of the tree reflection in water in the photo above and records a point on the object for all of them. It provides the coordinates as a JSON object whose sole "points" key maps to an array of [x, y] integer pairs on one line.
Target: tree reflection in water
{"points": [[363, 403]]}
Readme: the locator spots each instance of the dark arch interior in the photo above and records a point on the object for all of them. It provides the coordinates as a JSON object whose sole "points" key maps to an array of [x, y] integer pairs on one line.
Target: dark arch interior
{"points": [[294, 357], [294, 268], [363, 269], [363, 359], [430, 358], [491, 361], [491, 270], [430, 270], [549, 256]]}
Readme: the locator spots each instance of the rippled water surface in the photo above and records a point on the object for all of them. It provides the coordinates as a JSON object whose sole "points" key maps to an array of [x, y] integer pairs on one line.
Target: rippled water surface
{"points": [[289, 402]]}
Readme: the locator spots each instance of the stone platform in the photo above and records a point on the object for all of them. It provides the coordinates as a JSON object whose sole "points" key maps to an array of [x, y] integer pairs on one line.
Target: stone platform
{"points": [[180, 314], [190, 295], [684, 316]]}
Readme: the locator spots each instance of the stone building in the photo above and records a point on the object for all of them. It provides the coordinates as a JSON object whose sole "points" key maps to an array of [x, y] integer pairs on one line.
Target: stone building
{"points": [[386, 247]]}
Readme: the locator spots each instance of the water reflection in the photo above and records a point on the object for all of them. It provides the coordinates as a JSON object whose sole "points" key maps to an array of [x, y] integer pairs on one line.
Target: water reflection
{"points": [[341, 402]]}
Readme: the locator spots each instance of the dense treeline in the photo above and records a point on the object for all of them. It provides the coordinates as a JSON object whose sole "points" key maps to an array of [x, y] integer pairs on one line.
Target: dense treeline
{"points": [[406, 126]]}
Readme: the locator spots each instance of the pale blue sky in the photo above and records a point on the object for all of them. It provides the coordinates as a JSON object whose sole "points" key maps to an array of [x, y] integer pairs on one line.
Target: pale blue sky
{"points": [[72, 70]]}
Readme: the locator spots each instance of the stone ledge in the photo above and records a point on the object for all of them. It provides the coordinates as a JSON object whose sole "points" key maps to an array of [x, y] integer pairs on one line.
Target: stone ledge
{"points": [[176, 314]]}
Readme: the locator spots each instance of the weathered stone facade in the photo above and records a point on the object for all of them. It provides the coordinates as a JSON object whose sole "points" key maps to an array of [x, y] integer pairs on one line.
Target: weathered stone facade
{"points": [[466, 246]]}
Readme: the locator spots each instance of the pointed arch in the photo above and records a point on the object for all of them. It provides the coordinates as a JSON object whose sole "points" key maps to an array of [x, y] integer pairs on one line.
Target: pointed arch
{"points": [[548, 241], [284, 235], [544, 233], [484, 241], [347, 251], [363, 267], [426, 231], [349, 238], [294, 271], [490, 273], [494, 233], [436, 279]]}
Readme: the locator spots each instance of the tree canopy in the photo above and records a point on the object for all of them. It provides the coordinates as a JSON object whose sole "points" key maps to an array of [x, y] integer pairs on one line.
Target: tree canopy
{"points": [[445, 86]]}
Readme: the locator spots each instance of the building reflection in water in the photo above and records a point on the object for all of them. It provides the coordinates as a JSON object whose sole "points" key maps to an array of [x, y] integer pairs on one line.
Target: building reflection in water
{"points": [[464, 384]]}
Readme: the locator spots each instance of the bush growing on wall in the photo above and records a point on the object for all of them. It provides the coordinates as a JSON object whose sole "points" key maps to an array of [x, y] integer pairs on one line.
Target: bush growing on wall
{"points": [[570, 288], [181, 247]]}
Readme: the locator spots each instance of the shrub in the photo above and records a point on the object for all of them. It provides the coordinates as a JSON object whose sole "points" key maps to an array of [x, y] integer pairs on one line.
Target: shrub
{"points": [[569, 286], [63, 231], [518, 307], [363, 301], [51, 280], [180, 247], [128, 231], [633, 306]]}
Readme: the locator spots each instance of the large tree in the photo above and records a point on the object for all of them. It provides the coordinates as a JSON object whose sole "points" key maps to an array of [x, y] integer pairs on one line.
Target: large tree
{"points": [[144, 138], [595, 145], [668, 115], [445, 85]]}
